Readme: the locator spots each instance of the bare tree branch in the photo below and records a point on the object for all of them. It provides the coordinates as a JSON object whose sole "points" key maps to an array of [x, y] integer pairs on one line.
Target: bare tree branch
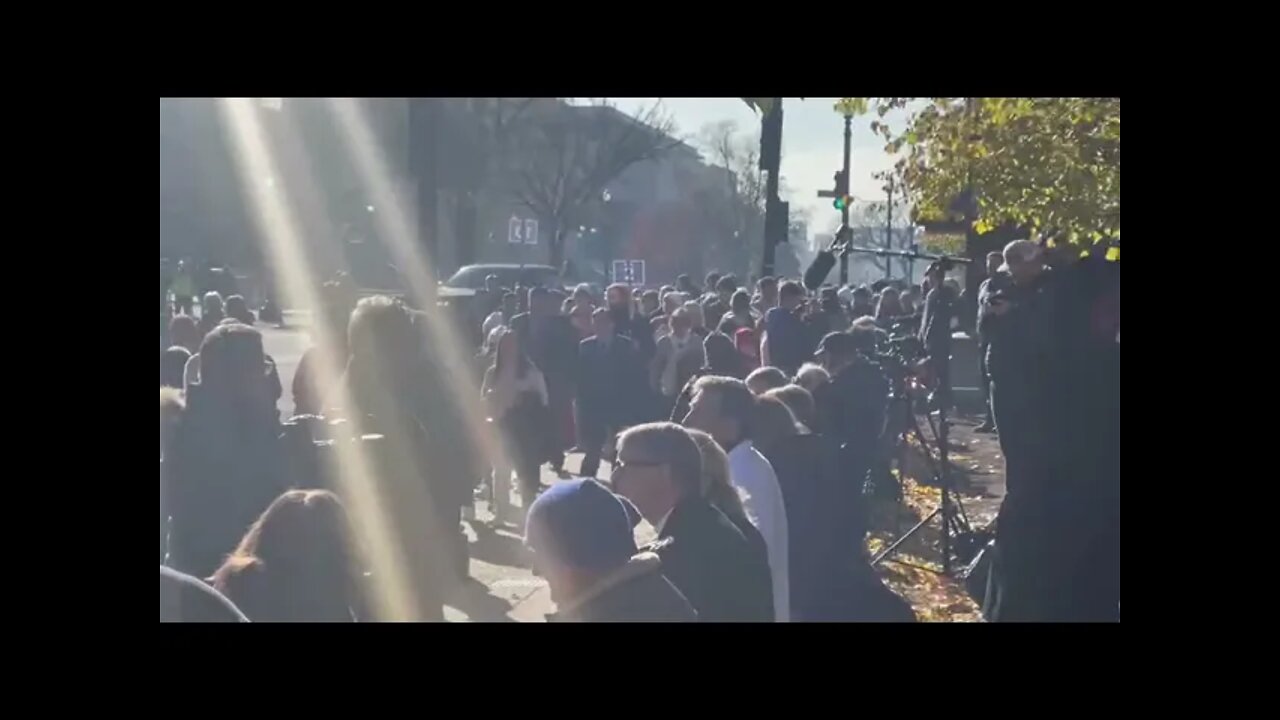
{"points": [[576, 151]]}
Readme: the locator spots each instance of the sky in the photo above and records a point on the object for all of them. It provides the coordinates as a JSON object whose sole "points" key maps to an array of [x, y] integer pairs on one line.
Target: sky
{"points": [[812, 141]]}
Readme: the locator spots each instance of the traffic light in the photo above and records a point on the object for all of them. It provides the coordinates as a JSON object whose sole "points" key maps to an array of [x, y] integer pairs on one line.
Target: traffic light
{"points": [[841, 199], [841, 192]]}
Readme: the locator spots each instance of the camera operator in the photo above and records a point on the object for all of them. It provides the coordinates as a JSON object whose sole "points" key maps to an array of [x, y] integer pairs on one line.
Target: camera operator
{"points": [[1057, 534], [935, 331], [851, 407]]}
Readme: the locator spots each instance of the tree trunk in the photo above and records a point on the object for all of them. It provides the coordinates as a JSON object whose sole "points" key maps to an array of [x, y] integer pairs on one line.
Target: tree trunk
{"points": [[556, 258]]}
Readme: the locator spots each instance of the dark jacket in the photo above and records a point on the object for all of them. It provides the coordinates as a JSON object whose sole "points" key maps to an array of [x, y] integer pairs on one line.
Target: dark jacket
{"points": [[713, 565], [228, 466], [851, 408], [186, 599], [935, 324], [635, 592], [552, 344], [1000, 282], [825, 512], [415, 468], [610, 380], [266, 598], [637, 327]]}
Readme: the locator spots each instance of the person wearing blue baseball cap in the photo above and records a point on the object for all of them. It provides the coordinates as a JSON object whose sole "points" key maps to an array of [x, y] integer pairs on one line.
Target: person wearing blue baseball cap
{"points": [[583, 543]]}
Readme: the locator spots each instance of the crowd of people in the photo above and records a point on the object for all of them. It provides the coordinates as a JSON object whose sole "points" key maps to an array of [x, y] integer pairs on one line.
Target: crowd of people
{"points": [[740, 422]]}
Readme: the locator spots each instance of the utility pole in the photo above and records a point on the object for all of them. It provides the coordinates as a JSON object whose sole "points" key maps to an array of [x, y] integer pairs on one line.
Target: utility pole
{"points": [[844, 211], [771, 163], [888, 231], [423, 156]]}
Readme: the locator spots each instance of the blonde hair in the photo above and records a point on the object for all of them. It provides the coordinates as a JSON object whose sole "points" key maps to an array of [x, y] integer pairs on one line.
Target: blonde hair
{"points": [[716, 486], [811, 376]]}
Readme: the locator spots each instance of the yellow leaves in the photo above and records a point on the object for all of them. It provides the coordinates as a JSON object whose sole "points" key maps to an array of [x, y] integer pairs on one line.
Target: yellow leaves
{"points": [[851, 106], [1113, 254]]}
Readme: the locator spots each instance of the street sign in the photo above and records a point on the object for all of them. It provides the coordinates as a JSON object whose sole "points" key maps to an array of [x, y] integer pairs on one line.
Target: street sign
{"points": [[522, 231], [630, 272]]}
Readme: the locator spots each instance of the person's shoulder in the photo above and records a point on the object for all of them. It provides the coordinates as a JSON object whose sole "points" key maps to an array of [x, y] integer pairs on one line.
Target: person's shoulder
{"points": [[184, 598]]}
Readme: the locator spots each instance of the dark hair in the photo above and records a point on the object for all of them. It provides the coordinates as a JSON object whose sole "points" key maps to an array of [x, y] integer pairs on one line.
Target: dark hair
{"points": [[173, 364], [768, 281], [236, 307], [509, 296], [728, 283], [741, 300], [864, 339], [303, 551], [230, 354], [183, 330], [523, 363], [536, 293], [722, 355], [712, 278], [790, 288], [650, 295], [890, 305]]}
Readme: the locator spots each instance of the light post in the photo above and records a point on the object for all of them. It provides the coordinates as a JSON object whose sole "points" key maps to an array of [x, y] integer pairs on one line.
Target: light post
{"points": [[847, 107]]}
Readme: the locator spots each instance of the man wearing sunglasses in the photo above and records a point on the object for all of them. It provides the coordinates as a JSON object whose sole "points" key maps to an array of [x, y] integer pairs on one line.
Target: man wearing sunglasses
{"points": [[659, 469]]}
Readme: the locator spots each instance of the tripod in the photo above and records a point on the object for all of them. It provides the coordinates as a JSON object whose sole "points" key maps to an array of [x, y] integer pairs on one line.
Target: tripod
{"points": [[955, 523]]}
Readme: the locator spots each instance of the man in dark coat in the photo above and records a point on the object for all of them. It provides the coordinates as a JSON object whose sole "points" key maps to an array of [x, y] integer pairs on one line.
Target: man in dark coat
{"points": [[582, 539], [851, 407], [997, 282], [935, 332], [552, 344], [659, 468], [628, 322], [611, 376], [1055, 394]]}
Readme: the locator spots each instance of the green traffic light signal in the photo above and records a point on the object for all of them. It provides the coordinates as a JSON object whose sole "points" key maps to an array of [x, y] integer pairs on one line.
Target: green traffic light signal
{"points": [[840, 203]]}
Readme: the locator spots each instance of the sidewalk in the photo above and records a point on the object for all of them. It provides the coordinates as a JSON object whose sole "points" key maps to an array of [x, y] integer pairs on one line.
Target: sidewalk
{"points": [[502, 589]]}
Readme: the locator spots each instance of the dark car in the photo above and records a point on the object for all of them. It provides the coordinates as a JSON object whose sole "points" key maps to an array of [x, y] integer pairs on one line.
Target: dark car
{"points": [[459, 291], [471, 277]]}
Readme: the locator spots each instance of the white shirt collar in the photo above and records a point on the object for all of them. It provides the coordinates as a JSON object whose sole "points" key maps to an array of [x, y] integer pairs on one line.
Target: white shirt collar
{"points": [[663, 522]]}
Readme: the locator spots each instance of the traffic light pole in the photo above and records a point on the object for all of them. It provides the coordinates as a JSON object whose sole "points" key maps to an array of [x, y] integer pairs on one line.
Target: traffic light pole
{"points": [[888, 231], [844, 211]]}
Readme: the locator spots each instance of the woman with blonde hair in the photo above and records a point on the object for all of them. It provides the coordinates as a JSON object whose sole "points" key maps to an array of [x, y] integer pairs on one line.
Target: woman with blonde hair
{"points": [[297, 563], [722, 493]]}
